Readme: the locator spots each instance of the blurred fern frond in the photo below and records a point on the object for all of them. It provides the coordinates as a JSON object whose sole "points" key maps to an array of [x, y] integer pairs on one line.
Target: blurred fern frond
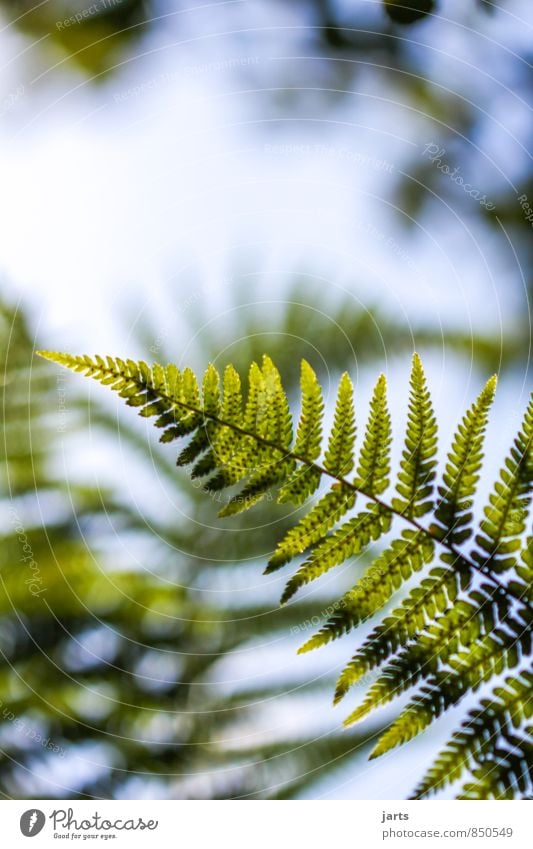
{"points": [[109, 683]]}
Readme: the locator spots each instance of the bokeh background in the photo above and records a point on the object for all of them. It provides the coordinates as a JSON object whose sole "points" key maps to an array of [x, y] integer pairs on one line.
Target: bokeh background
{"points": [[208, 181]]}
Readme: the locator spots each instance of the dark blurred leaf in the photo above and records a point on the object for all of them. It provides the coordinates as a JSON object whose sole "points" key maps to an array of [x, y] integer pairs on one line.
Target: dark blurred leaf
{"points": [[408, 11], [90, 35]]}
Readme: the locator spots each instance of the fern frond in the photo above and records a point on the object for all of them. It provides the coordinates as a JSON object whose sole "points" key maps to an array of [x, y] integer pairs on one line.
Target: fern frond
{"points": [[522, 586], [459, 625], [417, 466], [525, 569], [339, 457], [306, 480], [314, 526], [415, 486], [266, 421], [504, 774], [459, 481], [432, 596], [374, 462], [275, 408], [372, 478], [227, 446], [507, 710], [351, 538], [382, 579], [491, 655], [507, 511]]}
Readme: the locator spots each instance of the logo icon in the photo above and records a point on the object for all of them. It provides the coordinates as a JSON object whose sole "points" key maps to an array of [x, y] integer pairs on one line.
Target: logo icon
{"points": [[32, 822]]}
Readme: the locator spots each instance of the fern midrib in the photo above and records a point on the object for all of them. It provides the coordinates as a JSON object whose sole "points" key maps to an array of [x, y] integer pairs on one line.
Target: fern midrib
{"points": [[486, 572], [375, 471], [417, 461], [511, 494]]}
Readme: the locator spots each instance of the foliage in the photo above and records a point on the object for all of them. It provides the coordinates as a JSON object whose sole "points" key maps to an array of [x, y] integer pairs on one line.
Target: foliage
{"points": [[465, 621]]}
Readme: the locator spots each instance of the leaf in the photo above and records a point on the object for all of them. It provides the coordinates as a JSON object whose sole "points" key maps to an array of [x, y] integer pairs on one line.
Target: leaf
{"points": [[408, 11], [351, 538], [339, 457], [508, 708], [382, 579], [453, 512], [507, 511], [459, 625], [417, 466], [305, 480], [374, 462]]}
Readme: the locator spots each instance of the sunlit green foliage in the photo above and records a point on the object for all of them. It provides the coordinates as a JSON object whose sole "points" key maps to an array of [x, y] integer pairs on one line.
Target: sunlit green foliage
{"points": [[460, 625]]}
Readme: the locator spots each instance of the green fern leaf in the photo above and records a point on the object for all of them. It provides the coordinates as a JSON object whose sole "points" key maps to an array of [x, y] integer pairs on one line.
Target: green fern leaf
{"points": [[490, 656], [211, 391], [459, 625], [453, 512], [509, 708], [267, 415], [504, 774], [351, 538], [424, 602], [374, 462], [507, 511], [226, 446], [339, 457], [313, 526], [386, 574], [415, 480], [309, 434], [306, 479], [522, 587]]}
